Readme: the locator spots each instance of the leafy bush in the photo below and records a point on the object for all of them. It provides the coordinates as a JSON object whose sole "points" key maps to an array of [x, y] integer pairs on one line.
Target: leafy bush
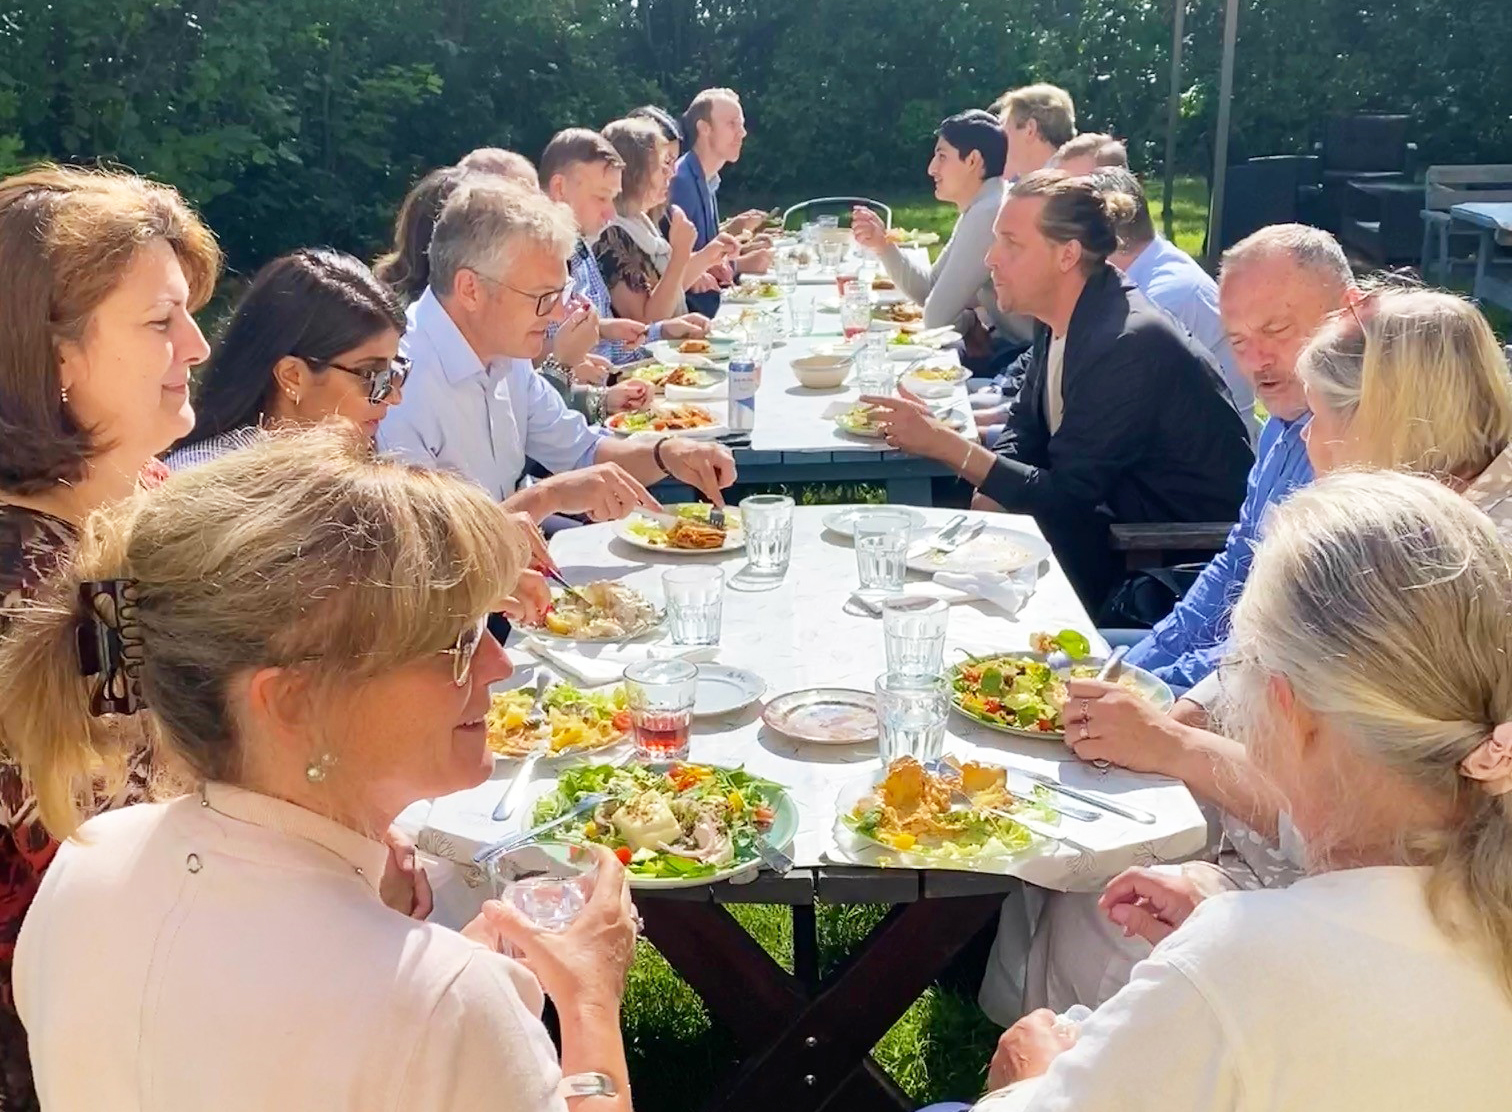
{"points": [[303, 121]]}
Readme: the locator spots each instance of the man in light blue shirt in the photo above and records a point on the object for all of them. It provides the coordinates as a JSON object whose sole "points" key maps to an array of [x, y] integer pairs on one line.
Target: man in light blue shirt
{"points": [[1278, 287], [1172, 279], [473, 402]]}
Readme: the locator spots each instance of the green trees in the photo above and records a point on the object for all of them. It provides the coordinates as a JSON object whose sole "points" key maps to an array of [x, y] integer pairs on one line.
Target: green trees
{"points": [[303, 121]]}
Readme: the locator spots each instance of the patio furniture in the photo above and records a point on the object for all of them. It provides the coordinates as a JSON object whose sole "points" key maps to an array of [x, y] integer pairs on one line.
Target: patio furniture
{"points": [[1274, 189], [1363, 148], [844, 204], [1448, 186], [1380, 220], [1493, 221], [1161, 544]]}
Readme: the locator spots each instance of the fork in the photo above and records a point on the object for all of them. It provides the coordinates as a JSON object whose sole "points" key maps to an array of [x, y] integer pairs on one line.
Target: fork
{"points": [[716, 517], [556, 577]]}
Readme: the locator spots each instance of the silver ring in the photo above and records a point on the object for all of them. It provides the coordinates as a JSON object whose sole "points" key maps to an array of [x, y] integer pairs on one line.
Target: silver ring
{"points": [[637, 921]]}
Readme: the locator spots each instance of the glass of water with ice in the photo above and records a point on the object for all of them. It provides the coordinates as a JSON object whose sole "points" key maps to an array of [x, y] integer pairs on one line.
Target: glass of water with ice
{"points": [[768, 523], [882, 551], [911, 713]]}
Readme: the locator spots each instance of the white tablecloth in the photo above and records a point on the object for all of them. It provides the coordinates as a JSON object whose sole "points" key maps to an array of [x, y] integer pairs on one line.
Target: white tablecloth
{"points": [[801, 635]]}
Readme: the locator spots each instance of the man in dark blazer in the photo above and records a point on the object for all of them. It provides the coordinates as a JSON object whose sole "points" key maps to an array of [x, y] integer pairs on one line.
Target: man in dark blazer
{"points": [[1121, 416], [714, 128]]}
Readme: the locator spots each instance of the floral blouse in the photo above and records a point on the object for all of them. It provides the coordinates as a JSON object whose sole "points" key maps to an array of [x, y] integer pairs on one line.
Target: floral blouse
{"points": [[621, 259], [34, 545]]}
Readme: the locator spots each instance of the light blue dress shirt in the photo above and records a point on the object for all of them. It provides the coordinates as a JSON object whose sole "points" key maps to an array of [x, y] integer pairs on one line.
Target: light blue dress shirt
{"points": [[1171, 278], [1188, 643], [479, 420]]}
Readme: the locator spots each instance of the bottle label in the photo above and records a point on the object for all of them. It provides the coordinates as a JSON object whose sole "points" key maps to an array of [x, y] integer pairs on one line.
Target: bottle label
{"points": [[742, 389]]}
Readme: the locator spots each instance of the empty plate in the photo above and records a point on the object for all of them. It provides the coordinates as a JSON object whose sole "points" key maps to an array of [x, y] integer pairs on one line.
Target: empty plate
{"points": [[843, 521], [724, 690], [824, 715]]}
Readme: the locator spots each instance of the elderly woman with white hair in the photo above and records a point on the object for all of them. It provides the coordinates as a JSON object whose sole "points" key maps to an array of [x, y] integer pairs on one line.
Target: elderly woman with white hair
{"points": [[1370, 677]]}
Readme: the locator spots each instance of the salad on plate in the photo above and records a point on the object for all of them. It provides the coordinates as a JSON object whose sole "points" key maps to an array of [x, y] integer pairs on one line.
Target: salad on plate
{"points": [[689, 530], [669, 822], [859, 420], [607, 611], [951, 812], [660, 375], [576, 721], [664, 418]]}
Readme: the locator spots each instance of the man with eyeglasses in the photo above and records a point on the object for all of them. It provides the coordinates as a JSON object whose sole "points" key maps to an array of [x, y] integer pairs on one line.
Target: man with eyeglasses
{"points": [[474, 403]]}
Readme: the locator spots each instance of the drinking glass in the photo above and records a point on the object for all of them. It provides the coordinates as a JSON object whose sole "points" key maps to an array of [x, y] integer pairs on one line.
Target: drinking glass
{"points": [[809, 234], [874, 374], [785, 272], [913, 631], [553, 900], [767, 520], [694, 604], [802, 309], [911, 713], [882, 551], [831, 253], [661, 694], [763, 332], [855, 312], [829, 222]]}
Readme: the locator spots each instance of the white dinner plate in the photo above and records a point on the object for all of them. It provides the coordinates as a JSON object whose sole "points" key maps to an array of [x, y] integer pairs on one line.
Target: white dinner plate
{"points": [[843, 521], [705, 432], [665, 351], [993, 550], [725, 690], [734, 537]]}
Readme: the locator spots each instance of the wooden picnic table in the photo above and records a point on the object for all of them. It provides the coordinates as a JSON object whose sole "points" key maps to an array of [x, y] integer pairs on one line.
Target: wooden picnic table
{"points": [[806, 1038], [1494, 222]]}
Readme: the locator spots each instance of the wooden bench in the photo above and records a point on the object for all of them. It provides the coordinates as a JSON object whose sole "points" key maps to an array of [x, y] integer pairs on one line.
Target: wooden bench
{"points": [[1445, 187], [1154, 546]]}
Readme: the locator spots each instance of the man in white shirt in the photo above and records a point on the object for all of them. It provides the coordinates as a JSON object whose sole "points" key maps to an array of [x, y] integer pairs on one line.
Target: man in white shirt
{"points": [[1173, 280], [1038, 120], [473, 403]]}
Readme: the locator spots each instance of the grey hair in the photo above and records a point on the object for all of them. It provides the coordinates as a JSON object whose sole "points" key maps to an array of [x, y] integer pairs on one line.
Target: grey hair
{"points": [[483, 224], [1310, 249], [1381, 600]]}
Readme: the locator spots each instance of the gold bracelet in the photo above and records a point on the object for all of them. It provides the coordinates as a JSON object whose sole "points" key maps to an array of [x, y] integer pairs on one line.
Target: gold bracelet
{"points": [[966, 458]]}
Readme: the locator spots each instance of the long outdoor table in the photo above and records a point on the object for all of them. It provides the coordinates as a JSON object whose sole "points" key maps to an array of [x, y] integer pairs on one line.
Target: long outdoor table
{"points": [[1494, 222], [807, 1038], [794, 442]]}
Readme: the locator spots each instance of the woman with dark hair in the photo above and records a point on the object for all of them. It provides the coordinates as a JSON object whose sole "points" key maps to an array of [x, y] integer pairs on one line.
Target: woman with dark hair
{"points": [[671, 130], [406, 269], [967, 169], [315, 336]]}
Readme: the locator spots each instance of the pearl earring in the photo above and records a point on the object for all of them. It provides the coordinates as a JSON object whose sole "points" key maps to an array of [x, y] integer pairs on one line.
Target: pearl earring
{"points": [[64, 393], [315, 771]]}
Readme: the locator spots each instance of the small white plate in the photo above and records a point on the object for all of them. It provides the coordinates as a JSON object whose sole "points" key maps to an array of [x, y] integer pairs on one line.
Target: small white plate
{"points": [[725, 690], [665, 351], [993, 550], [843, 521]]}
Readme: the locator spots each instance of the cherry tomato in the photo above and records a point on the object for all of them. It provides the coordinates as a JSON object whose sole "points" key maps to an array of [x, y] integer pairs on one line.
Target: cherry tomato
{"points": [[1044, 725], [621, 721], [764, 816], [624, 854]]}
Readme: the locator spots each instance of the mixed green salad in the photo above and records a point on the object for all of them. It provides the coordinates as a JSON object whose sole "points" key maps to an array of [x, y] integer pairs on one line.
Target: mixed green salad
{"points": [[1021, 692], [681, 821]]}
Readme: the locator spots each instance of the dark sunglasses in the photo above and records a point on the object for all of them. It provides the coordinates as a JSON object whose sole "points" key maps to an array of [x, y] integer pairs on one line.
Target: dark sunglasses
{"points": [[381, 381]]}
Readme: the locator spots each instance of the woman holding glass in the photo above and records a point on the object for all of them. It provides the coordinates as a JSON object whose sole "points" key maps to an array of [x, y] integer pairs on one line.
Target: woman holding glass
{"points": [[1370, 677], [303, 626], [648, 274], [315, 336]]}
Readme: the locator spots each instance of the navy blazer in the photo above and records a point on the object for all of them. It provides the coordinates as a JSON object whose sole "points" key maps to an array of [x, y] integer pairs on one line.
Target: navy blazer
{"points": [[690, 192]]}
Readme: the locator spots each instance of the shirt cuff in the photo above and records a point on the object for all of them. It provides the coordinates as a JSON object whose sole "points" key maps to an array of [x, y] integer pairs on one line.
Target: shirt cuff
{"points": [[653, 333], [1206, 691]]}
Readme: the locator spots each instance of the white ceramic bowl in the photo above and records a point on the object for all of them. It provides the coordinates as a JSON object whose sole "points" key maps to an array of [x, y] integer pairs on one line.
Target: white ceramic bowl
{"points": [[820, 372]]}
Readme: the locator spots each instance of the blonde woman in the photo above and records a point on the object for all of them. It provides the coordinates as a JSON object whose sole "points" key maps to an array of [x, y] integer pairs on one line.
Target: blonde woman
{"points": [[1370, 676], [304, 625], [1414, 380]]}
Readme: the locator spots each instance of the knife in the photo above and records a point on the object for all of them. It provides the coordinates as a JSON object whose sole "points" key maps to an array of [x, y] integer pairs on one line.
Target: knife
{"points": [[942, 537], [516, 790], [515, 841], [1135, 813]]}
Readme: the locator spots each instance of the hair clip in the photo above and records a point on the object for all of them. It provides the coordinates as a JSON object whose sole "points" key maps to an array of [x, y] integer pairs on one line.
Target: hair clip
{"points": [[110, 645]]}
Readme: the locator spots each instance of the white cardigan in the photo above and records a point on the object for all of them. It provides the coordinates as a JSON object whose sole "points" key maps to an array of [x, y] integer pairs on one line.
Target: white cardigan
{"points": [[1339, 993]]}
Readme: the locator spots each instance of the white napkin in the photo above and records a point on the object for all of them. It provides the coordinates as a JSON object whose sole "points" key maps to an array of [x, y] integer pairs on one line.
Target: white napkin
{"points": [[597, 665], [1006, 593]]}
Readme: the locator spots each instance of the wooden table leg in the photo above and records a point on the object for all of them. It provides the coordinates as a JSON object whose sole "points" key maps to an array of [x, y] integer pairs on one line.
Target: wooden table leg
{"points": [[808, 1052]]}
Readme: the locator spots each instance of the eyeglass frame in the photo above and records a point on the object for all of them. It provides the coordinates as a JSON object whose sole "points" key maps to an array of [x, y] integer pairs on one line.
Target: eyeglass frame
{"points": [[545, 302], [381, 382], [463, 651]]}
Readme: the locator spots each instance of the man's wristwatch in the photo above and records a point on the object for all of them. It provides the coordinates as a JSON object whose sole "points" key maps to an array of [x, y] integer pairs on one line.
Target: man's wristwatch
{"points": [[577, 1085]]}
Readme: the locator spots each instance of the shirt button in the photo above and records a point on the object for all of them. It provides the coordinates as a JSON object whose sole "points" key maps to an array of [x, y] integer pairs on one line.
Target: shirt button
{"points": [[193, 863]]}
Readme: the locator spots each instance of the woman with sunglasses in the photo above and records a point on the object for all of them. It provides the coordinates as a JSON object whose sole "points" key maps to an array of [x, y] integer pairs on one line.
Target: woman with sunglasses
{"points": [[315, 336], [301, 624]]}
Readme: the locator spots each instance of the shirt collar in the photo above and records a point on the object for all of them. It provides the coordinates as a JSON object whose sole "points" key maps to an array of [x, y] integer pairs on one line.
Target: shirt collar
{"points": [[990, 192], [1145, 262], [366, 858], [459, 362]]}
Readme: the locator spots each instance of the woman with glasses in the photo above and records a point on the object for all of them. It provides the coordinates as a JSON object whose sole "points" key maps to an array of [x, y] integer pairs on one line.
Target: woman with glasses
{"points": [[301, 624], [315, 336]]}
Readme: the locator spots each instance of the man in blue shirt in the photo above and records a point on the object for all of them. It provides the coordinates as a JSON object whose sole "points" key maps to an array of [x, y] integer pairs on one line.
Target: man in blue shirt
{"points": [[714, 129], [1277, 287]]}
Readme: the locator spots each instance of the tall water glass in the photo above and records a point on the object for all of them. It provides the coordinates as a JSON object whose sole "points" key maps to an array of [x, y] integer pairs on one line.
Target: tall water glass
{"points": [[763, 332], [831, 254], [695, 597], [661, 694], [875, 374], [768, 523], [882, 551], [855, 312], [785, 273], [913, 631], [911, 714], [802, 309]]}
